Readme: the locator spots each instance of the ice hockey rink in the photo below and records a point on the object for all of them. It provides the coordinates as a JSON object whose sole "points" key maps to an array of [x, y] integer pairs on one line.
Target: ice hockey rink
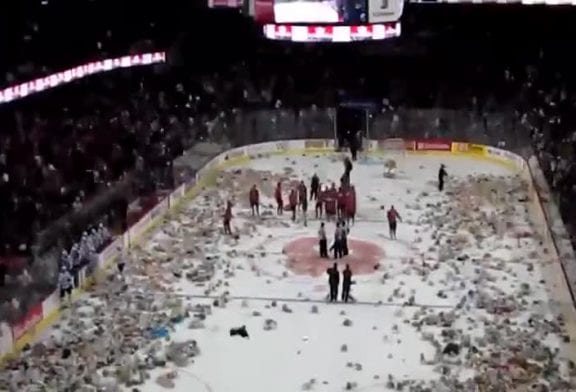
{"points": [[464, 269]]}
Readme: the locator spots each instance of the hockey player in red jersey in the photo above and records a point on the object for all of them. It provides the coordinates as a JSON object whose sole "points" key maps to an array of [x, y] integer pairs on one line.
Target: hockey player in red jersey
{"points": [[279, 201], [254, 197], [293, 200], [393, 217], [332, 191], [350, 200], [330, 202], [227, 218], [344, 180], [320, 200], [341, 200]]}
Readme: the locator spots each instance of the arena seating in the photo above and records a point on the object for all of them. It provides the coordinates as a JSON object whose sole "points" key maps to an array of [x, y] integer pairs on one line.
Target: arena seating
{"points": [[98, 150]]}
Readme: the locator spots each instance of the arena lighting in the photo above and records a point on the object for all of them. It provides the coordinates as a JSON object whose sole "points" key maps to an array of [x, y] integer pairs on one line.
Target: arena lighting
{"points": [[326, 33], [25, 89]]}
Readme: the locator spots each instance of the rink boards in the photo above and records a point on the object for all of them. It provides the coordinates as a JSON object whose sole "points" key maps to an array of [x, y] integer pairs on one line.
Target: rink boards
{"points": [[543, 213]]}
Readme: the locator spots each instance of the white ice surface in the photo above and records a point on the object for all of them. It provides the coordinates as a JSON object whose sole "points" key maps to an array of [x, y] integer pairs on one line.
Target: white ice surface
{"points": [[306, 346]]}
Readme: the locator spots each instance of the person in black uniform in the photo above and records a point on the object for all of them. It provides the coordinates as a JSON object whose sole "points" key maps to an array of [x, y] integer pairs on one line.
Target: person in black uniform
{"points": [[322, 241], [347, 166], [353, 142], [441, 175], [345, 179], [304, 206], [344, 241], [333, 282], [314, 187], [346, 283]]}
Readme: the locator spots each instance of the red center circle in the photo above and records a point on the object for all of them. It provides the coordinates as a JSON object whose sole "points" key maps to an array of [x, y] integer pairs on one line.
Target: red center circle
{"points": [[304, 258]]}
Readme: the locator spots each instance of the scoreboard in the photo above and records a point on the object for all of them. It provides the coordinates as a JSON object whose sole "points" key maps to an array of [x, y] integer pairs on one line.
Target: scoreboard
{"points": [[327, 20], [333, 12], [322, 20]]}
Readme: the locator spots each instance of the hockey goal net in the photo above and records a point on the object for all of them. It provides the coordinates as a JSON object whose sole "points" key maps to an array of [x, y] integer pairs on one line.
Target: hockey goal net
{"points": [[394, 147], [394, 151]]}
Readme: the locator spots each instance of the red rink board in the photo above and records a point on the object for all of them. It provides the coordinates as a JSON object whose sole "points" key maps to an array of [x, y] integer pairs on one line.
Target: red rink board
{"points": [[433, 145]]}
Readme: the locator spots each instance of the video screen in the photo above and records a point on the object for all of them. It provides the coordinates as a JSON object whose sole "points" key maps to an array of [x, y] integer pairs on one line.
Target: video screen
{"points": [[321, 11]]}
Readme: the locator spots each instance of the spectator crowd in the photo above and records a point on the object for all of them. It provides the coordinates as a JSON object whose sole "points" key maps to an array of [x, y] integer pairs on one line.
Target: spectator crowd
{"points": [[61, 150]]}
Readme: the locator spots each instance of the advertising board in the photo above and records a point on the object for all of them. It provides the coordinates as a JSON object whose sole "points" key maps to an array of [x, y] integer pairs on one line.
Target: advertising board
{"points": [[432, 145], [111, 251], [261, 148], [383, 11], [29, 321], [315, 144], [235, 153], [5, 339], [469, 148], [282, 146], [505, 155], [211, 165], [158, 209], [459, 147], [394, 144], [178, 194], [189, 185], [410, 145], [138, 228], [476, 149]]}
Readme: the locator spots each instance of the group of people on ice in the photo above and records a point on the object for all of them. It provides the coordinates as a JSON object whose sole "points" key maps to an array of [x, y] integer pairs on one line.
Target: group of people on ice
{"points": [[297, 198], [332, 204]]}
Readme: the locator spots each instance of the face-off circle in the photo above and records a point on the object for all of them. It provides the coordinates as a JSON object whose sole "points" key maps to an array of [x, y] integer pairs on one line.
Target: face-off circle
{"points": [[304, 257]]}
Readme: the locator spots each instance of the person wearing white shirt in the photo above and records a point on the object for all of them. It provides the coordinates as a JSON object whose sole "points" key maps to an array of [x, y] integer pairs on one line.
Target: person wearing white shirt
{"points": [[66, 259], [104, 233], [345, 231]]}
